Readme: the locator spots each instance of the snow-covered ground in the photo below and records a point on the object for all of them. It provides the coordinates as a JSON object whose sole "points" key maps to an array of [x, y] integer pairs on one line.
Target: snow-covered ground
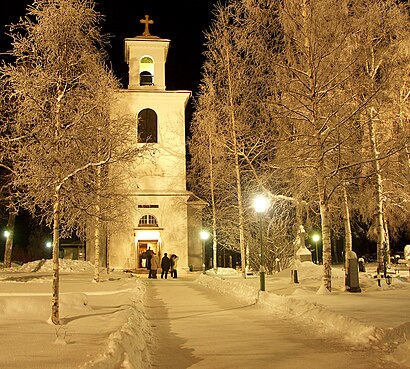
{"points": [[104, 324], [378, 316]]}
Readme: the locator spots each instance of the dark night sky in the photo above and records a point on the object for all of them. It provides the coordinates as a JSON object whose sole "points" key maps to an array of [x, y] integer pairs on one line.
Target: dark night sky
{"points": [[183, 22]]}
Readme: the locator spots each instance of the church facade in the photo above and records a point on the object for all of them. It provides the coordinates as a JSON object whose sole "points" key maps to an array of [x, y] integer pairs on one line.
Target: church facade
{"points": [[163, 215]]}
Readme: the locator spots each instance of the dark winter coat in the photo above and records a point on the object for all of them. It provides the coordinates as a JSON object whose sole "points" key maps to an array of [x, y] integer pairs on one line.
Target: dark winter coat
{"points": [[149, 257], [165, 263]]}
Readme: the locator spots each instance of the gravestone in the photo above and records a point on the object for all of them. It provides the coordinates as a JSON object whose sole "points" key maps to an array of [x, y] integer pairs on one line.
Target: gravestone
{"points": [[352, 273]]}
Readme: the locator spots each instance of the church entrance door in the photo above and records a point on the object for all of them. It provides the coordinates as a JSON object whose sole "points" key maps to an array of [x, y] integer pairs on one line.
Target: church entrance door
{"points": [[142, 248], [145, 240]]}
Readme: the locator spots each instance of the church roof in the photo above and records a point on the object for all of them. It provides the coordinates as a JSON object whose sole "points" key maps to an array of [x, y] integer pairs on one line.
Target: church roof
{"points": [[195, 200]]}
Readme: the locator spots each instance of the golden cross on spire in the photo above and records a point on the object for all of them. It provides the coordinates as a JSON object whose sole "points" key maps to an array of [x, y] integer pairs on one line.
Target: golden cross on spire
{"points": [[147, 23]]}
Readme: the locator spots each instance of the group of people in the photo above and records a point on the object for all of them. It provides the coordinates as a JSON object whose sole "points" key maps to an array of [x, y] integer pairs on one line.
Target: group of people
{"points": [[168, 264]]}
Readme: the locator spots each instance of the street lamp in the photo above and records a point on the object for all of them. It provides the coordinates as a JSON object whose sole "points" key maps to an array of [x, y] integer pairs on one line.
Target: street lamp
{"points": [[316, 238], [6, 234], [204, 237], [49, 246], [260, 205]]}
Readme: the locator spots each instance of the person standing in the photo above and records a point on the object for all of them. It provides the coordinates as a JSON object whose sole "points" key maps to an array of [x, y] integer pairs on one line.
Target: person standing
{"points": [[174, 265], [165, 265], [171, 270], [148, 255], [154, 265]]}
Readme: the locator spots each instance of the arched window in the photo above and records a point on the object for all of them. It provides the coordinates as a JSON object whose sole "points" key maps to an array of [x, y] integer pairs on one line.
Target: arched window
{"points": [[148, 221], [146, 71], [146, 79], [147, 126]]}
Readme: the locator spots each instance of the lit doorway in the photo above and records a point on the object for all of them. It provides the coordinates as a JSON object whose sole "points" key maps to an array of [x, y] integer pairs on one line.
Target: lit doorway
{"points": [[146, 240], [142, 247]]}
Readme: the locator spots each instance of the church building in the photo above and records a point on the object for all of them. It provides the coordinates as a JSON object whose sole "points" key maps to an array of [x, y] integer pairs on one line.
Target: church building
{"points": [[164, 216]]}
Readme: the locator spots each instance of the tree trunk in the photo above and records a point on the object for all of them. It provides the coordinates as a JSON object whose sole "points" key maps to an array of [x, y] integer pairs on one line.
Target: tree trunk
{"points": [[212, 187], [9, 240], [387, 243], [379, 195], [241, 218], [402, 121], [347, 227], [97, 229], [326, 239], [107, 248], [300, 230], [312, 72], [237, 173], [97, 247], [55, 301]]}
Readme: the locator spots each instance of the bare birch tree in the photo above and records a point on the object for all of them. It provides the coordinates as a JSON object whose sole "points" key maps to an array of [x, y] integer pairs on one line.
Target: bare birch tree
{"points": [[382, 34], [241, 31], [315, 108], [203, 147], [7, 203], [223, 67], [63, 92], [316, 111], [308, 67]]}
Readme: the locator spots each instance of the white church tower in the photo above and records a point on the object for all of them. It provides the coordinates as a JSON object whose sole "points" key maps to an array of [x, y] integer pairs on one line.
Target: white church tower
{"points": [[164, 216]]}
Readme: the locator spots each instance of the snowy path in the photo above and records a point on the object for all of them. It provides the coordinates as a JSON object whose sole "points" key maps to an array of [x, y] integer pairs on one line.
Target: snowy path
{"points": [[195, 327]]}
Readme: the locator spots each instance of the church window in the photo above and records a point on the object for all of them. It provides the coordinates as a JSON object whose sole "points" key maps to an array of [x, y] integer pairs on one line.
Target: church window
{"points": [[148, 221], [146, 71], [146, 79], [147, 126], [146, 60]]}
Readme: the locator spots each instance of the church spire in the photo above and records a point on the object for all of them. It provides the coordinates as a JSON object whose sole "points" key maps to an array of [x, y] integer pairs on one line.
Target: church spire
{"points": [[146, 56], [147, 22]]}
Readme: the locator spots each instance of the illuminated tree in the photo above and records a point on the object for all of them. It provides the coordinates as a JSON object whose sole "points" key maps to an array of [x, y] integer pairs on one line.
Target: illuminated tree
{"points": [[63, 135], [383, 39]]}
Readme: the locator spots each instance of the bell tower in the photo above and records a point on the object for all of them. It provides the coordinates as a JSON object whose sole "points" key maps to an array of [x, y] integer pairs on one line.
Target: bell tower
{"points": [[146, 56], [162, 215]]}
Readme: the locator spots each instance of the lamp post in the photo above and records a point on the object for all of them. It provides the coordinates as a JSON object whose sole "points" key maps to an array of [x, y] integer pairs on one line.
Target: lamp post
{"points": [[49, 246], [260, 205], [204, 237], [316, 238], [7, 248]]}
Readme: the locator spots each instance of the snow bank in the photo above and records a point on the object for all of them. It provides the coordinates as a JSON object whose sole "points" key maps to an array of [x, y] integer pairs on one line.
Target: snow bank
{"points": [[127, 348], [317, 315], [311, 271], [326, 321], [65, 266], [16, 306], [240, 291], [301, 311], [398, 337], [223, 271]]}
